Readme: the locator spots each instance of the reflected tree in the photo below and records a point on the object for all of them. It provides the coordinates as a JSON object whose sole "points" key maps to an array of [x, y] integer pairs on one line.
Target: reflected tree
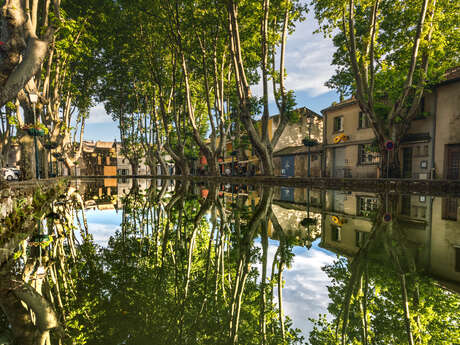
{"points": [[382, 296]]}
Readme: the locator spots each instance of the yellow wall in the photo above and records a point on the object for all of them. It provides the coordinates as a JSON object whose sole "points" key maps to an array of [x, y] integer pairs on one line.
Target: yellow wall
{"points": [[447, 122], [110, 170]]}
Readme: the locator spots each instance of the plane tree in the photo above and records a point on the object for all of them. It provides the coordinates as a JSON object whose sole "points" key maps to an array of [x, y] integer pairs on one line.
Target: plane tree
{"points": [[388, 55], [269, 26]]}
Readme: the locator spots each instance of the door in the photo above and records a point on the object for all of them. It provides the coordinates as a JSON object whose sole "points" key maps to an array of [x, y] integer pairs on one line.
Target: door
{"points": [[339, 162], [287, 166], [407, 162], [287, 194], [453, 162]]}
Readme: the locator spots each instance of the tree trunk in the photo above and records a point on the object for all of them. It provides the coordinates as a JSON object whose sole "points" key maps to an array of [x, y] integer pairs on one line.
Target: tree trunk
{"points": [[135, 168], [405, 305], [391, 164], [27, 161], [263, 296]]}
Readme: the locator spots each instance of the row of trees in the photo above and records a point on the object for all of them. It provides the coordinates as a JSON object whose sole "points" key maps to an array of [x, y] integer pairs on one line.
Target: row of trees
{"points": [[177, 75]]}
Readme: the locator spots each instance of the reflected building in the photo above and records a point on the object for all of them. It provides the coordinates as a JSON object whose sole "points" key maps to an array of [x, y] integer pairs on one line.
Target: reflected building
{"points": [[347, 220], [444, 245], [430, 226], [296, 217]]}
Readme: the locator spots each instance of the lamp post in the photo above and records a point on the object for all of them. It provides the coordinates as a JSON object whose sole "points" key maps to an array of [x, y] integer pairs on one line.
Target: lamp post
{"points": [[34, 99], [233, 151]]}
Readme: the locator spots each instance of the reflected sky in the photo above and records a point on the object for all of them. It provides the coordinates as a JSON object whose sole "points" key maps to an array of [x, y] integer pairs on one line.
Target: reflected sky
{"points": [[184, 262]]}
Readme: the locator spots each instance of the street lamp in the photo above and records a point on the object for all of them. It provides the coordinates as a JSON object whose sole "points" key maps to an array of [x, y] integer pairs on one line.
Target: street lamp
{"points": [[34, 99], [233, 152]]}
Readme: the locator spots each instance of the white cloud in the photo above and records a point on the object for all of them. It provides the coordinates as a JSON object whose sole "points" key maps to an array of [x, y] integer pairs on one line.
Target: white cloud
{"points": [[101, 225], [308, 60], [305, 292], [102, 232], [98, 114]]}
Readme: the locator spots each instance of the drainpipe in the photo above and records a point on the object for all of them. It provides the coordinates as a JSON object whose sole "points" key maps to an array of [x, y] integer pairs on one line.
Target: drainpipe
{"points": [[324, 153], [433, 140]]}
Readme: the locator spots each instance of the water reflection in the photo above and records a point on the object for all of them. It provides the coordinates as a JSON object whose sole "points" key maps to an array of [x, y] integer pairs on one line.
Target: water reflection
{"points": [[206, 264]]}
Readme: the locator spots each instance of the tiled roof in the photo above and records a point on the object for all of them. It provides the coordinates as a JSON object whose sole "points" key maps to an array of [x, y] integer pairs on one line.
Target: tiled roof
{"points": [[303, 110], [343, 104], [88, 146], [104, 144]]}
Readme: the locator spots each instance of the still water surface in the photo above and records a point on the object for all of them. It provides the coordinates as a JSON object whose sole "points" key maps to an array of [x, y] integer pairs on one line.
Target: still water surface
{"points": [[163, 262]]}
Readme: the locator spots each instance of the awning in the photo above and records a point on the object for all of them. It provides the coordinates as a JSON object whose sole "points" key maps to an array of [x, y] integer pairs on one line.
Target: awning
{"points": [[249, 161], [228, 160]]}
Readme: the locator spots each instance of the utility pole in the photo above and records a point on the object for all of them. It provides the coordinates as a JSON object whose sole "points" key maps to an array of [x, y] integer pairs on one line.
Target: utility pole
{"points": [[33, 99]]}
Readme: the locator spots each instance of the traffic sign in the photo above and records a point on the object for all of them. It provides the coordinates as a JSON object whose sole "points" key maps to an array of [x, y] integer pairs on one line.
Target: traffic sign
{"points": [[389, 145]]}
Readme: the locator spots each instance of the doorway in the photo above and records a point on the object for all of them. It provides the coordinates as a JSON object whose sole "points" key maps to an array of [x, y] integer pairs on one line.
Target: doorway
{"points": [[339, 162], [407, 162], [453, 162]]}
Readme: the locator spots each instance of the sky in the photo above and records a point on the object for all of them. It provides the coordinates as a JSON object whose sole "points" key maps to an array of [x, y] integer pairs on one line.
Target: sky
{"points": [[308, 66]]}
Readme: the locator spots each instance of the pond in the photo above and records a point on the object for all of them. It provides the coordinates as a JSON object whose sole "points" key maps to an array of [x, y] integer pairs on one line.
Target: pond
{"points": [[128, 261]]}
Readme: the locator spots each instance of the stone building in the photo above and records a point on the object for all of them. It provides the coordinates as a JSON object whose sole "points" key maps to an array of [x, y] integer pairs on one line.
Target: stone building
{"points": [[104, 158], [431, 148], [291, 153], [98, 159], [444, 242], [446, 105], [347, 220], [124, 167]]}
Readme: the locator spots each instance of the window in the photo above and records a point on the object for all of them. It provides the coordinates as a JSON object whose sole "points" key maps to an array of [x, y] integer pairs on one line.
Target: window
{"points": [[425, 150], [314, 157], [338, 124], [457, 259], [363, 120], [314, 201], [405, 205], [366, 206], [360, 236], [449, 208], [336, 233], [366, 156]]}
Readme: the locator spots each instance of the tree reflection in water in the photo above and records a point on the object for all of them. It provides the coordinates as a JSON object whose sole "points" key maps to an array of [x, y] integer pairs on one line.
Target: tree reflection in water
{"points": [[183, 270]]}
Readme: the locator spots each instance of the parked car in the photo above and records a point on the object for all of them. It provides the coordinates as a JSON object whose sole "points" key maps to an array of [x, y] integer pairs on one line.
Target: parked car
{"points": [[10, 174]]}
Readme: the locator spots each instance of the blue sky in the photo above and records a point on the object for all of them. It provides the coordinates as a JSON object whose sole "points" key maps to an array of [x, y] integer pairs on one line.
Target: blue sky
{"points": [[308, 66]]}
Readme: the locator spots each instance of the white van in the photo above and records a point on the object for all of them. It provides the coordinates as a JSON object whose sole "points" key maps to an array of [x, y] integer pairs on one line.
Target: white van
{"points": [[9, 174]]}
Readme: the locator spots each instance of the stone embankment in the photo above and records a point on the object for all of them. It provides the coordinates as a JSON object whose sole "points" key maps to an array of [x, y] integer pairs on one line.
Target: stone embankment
{"points": [[21, 204]]}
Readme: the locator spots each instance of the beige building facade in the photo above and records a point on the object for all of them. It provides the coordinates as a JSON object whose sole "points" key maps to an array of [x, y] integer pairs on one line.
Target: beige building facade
{"points": [[430, 149], [446, 103], [292, 156]]}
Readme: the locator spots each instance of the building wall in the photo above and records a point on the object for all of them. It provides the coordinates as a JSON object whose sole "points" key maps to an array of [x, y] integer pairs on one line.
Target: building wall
{"points": [[294, 133], [356, 136], [445, 237], [301, 165], [347, 243], [447, 122]]}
